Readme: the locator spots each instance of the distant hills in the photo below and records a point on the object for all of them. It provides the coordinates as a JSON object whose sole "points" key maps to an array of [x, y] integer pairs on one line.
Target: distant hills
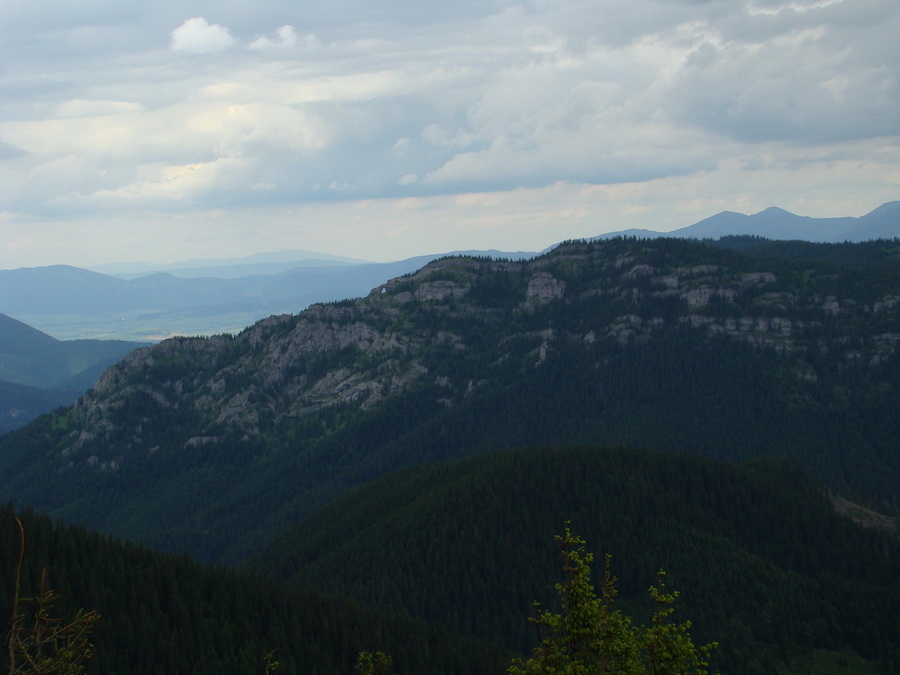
{"points": [[146, 302], [39, 373], [229, 268], [73, 303]]}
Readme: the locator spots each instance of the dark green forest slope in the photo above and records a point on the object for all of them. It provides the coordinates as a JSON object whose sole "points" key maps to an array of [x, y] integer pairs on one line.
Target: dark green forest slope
{"points": [[766, 566], [449, 542], [167, 615], [667, 344]]}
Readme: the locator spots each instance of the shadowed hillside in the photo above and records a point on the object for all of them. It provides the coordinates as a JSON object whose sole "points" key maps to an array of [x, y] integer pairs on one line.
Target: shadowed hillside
{"points": [[470, 544]]}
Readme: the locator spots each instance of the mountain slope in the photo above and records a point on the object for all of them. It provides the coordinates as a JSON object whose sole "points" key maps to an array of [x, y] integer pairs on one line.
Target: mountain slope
{"points": [[744, 544], [162, 614], [670, 344]]}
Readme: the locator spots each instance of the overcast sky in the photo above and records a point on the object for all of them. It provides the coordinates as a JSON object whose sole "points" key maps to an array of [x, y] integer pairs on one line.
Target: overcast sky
{"points": [[161, 131]]}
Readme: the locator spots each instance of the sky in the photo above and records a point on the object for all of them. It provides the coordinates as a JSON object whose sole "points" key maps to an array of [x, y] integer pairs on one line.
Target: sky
{"points": [[164, 131]]}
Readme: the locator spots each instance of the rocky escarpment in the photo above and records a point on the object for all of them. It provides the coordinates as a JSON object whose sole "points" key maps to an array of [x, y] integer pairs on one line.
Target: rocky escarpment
{"points": [[423, 329]]}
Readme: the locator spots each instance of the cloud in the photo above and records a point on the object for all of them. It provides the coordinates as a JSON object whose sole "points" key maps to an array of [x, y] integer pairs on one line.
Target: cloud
{"points": [[285, 38], [198, 36], [82, 108]]}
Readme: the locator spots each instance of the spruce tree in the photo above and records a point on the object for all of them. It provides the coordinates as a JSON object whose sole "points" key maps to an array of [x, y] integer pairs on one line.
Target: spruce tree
{"points": [[590, 636]]}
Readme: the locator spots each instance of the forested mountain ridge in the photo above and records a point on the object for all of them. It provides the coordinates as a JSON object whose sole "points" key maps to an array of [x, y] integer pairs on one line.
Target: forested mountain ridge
{"points": [[366, 350], [673, 344]]}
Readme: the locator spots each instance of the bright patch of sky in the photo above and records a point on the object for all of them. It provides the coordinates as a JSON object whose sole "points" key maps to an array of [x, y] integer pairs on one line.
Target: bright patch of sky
{"points": [[175, 130]]}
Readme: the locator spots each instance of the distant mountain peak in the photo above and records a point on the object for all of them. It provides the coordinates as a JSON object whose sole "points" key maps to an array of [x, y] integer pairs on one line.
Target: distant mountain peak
{"points": [[775, 210], [777, 223]]}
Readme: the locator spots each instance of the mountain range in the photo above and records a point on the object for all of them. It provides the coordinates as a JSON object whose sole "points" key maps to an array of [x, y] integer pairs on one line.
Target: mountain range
{"points": [[273, 262], [778, 224], [146, 302]]}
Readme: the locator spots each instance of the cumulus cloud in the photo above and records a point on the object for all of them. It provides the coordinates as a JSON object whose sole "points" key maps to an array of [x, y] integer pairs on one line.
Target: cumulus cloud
{"points": [[198, 36]]}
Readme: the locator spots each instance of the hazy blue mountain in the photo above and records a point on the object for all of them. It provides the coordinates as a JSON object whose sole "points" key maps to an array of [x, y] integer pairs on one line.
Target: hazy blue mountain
{"points": [[33, 358], [273, 262], [39, 373], [17, 338], [776, 223]]}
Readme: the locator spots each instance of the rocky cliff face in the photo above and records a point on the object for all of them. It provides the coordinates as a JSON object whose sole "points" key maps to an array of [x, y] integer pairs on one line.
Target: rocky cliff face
{"points": [[360, 353]]}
